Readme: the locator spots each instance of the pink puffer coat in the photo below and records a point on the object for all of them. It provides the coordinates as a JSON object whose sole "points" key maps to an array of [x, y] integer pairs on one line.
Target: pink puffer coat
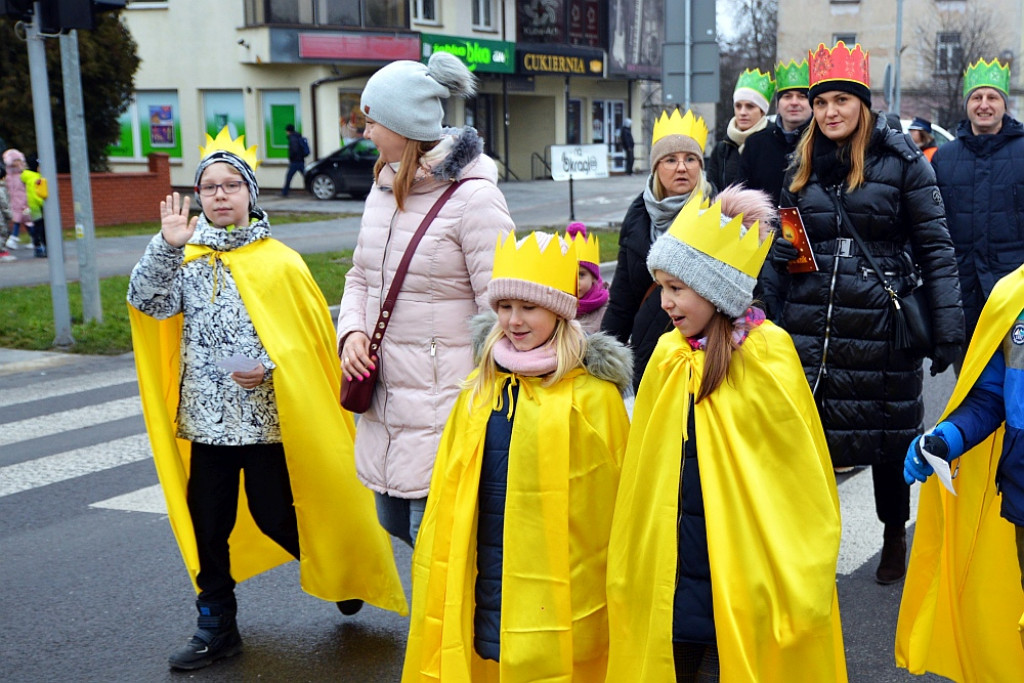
{"points": [[427, 349]]}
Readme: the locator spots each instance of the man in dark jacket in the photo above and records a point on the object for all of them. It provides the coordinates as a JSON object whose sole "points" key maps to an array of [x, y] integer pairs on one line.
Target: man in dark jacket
{"points": [[626, 138], [768, 152], [981, 177], [296, 158]]}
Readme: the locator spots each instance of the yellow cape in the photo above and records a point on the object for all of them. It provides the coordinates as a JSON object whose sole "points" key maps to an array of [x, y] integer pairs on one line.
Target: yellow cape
{"points": [[772, 514], [345, 552], [566, 449], [962, 599]]}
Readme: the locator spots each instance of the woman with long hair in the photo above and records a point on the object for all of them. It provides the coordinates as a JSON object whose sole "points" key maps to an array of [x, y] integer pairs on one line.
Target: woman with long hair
{"points": [[850, 167]]}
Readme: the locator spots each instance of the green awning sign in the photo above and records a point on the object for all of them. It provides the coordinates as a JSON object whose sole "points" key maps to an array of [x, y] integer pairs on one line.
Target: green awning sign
{"points": [[479, 55]]}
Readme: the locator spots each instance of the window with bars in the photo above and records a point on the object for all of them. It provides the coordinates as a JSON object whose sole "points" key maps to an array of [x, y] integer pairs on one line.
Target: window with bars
{"points": [[949, 53]]}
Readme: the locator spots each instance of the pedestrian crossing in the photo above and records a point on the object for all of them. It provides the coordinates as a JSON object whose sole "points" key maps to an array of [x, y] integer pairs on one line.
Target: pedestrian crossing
{"points": [[20, 472]]}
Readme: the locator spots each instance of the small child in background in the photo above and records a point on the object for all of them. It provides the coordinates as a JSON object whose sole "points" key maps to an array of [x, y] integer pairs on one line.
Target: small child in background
{"points": [[509, 566], [14, 160], [36, 192], [593, 291], [5, 217]]}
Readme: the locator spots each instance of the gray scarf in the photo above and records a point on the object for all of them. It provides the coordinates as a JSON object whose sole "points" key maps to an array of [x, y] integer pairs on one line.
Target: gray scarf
{"points": [[662, 212]]}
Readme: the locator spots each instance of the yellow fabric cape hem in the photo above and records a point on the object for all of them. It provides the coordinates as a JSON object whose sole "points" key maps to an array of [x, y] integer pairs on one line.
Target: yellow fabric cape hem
{"points": [[962, 602], [771, 509], [345, 552]]}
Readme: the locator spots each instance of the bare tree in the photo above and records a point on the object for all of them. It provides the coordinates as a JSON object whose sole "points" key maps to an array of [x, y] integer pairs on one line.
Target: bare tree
{"points": [[753, 45], [950, 41]]}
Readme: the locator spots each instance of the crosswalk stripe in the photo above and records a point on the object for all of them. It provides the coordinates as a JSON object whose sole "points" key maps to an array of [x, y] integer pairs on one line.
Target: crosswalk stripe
{"points": [[42, 390], [60, 467], [148, 499], [862, 532], [68, 420]]}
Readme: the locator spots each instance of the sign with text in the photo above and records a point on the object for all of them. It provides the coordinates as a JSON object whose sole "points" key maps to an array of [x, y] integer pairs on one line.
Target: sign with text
{"points": [[579, 162], [479, 55]]}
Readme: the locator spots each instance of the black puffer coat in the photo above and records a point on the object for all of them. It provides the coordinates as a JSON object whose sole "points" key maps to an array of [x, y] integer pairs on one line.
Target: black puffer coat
{"points": [[631, 318], [869, 393]]}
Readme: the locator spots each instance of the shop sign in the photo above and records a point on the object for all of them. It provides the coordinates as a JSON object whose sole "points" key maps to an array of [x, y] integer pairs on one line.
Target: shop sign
{"points": [[579, 162], [589, 63], [491, 56]]}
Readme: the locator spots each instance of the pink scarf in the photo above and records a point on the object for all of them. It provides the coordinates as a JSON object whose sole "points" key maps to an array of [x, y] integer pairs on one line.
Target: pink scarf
{"points": [[533, 363], [594, 299], [741, 326]]}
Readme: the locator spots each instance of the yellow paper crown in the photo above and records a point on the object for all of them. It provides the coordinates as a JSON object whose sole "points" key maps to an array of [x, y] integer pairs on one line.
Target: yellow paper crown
{"points": [[723, 240], [587, 248], [223, 142], [678, 124], [549, 267]]}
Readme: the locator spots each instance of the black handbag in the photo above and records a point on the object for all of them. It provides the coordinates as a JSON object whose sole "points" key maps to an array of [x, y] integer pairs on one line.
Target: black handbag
{"points": [[910, 314], [357, 396]]}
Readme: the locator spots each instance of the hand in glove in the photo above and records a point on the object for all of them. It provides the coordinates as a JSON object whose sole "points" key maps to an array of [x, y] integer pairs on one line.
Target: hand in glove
{"points": [[943, 356], [945, 441], [782, 253]]}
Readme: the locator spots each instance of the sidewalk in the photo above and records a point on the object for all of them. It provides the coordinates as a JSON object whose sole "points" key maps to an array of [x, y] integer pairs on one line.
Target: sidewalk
{"points": [[536, 204]]}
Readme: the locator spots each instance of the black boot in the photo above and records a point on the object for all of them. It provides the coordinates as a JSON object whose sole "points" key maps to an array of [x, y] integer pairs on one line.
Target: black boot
{"points": [[349, 607], [216, 637], [893, 565]]}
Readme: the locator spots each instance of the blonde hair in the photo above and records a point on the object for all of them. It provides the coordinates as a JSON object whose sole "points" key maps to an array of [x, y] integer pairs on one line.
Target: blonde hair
{"points": [[407, 167], [570, 349], [855, 149]]}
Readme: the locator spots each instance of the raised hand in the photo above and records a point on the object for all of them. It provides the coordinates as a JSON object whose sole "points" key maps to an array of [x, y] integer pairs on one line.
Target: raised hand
{"points": [[175, 225]]}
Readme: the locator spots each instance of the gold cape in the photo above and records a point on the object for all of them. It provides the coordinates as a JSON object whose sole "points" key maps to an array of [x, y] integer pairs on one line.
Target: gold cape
{"points": [[345, 552], [564, 458], [962, 598], [772, 514]]}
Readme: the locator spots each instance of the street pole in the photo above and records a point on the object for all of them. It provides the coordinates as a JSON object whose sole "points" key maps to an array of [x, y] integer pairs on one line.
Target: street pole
{"points": [[896, 61], [81, 185], [48, 161]]}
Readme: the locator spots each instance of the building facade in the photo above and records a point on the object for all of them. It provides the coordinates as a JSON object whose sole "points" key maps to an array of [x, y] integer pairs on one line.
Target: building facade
{"points": [[546, 74], [938, 36]]}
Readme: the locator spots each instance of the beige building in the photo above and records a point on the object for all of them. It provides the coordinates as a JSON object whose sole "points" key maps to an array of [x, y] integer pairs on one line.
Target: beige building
{"points": [[258, 65], [937, 34]]}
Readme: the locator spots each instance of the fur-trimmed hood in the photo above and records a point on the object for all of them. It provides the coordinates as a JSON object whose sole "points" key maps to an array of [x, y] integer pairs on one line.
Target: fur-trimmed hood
{"points": [[605, 359], [459, 147]]}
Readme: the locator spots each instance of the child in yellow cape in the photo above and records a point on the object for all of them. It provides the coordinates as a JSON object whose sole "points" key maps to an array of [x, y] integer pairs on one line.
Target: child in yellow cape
{"points": [[961, 612], [234, 349], [509, 565], [722, 559]]}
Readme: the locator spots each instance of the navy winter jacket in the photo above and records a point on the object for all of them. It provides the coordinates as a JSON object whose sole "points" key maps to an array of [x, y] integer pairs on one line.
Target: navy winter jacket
{"points": [[981, 178], [490, 533]]}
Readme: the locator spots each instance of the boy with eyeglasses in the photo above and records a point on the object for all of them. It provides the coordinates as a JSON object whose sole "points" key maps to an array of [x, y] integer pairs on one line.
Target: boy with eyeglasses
{"points": [[234, 348]]}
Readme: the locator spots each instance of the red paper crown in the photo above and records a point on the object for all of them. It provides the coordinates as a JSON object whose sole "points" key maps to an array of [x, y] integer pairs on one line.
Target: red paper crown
{"points": [[839, 64]]}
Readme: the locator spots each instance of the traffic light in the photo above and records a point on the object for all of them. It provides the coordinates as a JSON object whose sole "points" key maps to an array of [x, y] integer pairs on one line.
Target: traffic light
{"points": [[56, 16], [16, 9]]}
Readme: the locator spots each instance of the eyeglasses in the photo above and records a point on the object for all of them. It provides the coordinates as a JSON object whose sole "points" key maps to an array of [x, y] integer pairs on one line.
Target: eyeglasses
{"points": [[210, 189], [677, 160]]}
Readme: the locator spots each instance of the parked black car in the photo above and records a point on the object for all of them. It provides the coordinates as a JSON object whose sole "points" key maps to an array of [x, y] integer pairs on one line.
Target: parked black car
{"points": [[346, 171]]}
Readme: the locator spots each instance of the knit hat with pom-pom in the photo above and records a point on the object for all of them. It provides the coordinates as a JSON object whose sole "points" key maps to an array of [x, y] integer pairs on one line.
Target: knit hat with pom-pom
{"points": [[405, 96]]}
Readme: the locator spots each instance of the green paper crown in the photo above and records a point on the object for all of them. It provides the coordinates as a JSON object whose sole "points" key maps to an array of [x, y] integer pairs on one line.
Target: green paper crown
{"points": [[758, 82], [792, 75], [984, 74]]}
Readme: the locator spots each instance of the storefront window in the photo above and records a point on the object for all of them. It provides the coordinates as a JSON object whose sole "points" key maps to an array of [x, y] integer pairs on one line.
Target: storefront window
{"points": [[574, 123], [224, 109], [349, 13], [279, 109], [151, 124]]}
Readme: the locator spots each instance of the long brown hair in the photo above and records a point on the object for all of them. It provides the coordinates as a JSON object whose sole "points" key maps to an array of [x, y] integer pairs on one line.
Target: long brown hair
{"points": [[856, 146], [718, 354], [407, 167]]}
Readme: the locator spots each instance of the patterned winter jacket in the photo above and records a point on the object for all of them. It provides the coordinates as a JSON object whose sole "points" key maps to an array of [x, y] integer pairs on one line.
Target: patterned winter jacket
{"points": [[426, 351], [213, 408]]}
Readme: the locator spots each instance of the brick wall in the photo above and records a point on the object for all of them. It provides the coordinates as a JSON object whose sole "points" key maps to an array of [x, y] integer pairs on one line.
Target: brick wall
{"points": [[121, 197]]}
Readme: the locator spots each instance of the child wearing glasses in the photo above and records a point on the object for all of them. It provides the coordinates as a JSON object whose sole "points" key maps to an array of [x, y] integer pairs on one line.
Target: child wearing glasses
{"points": [[234, 349]]}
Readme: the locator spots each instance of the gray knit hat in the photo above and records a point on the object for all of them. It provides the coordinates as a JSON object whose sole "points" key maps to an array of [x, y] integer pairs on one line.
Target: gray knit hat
{"points": [[558, 301], [405, 96], [675, 144], [729, 289]]}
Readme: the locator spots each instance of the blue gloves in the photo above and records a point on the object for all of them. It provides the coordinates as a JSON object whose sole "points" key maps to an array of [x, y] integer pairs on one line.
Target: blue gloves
{"points": [[945, 441]]}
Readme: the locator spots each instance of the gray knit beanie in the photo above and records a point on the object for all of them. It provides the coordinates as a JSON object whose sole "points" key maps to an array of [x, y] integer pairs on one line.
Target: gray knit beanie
{"points": [[405, 96], [562, 304], [675, 144]]}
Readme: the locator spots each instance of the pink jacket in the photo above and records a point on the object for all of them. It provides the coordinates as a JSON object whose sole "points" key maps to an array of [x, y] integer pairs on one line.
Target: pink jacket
{"points": [[427, 349]]}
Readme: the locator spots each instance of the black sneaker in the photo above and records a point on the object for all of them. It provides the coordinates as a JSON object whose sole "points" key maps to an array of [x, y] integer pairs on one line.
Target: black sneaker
{"points": [[349, 607], [205, 648]]}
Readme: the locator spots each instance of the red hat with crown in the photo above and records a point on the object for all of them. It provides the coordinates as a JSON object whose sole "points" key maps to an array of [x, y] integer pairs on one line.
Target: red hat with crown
{"points": [[840, 68]]}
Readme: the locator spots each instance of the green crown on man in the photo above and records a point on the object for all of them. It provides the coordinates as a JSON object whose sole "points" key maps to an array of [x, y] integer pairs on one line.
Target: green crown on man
{"points": [[792, 75], [984, 74]]}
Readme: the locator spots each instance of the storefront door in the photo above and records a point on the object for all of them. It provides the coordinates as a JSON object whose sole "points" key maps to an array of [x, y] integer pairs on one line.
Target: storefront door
{"points": [[607, 121]]}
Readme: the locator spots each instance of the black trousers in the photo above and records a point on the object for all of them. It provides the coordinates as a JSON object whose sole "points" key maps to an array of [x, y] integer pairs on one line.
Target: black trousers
{"points": [[892, 495], [213, 505]]}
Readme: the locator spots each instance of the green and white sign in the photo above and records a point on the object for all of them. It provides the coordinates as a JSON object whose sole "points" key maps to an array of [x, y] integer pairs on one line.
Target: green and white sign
{"points": [[492, 56]]}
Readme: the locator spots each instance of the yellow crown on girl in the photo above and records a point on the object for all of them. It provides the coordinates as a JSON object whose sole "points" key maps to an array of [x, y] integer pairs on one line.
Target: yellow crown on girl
{"points": [[675, 123], [528, 261], [224, 143], [705, 230], [587, 248]]}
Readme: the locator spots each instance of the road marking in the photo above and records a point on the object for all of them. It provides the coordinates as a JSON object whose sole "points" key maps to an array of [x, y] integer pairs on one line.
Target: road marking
{"points": [[149, 499], [862, 532], [68, 420], [60, 467], [35, 392]]}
